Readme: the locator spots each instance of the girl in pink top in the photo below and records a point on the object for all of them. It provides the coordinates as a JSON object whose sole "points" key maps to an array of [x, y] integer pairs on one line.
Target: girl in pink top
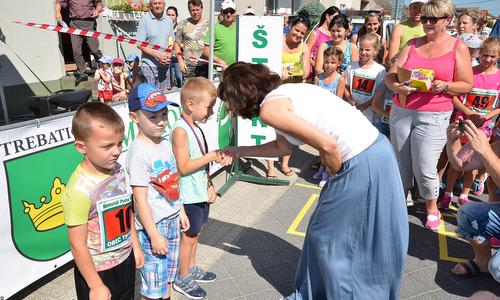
{"points": [[418, 128], [481, 106], [320, 34]]}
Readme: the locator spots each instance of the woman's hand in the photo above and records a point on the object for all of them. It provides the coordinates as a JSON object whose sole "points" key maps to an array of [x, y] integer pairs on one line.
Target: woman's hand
{"points": [[332, 159], [439, 86]]}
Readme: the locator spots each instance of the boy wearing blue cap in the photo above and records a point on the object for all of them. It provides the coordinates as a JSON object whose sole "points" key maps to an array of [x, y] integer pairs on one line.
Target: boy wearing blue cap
{"points": [[104, 77], [155, 186]]}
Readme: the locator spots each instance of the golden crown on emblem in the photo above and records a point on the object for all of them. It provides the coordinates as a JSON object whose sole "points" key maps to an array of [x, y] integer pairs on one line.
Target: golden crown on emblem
{"points": [[50, 214]]}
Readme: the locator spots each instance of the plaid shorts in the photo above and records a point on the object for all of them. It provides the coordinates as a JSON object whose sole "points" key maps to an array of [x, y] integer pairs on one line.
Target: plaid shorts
{"points": [[157, 75], [159, 270]]}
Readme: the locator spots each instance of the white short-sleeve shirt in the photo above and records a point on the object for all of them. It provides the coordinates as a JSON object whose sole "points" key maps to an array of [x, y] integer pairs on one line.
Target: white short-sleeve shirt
{"points": [[328, 113]]}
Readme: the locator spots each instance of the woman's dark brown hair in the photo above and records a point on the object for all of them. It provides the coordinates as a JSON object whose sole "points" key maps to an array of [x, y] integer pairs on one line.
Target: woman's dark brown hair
{"points": [[244, 86]]}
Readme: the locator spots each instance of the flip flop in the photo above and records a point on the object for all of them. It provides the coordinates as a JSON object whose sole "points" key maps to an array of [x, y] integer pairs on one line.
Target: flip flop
{"points": [[271, 176], [472, 269], [288, 173]]}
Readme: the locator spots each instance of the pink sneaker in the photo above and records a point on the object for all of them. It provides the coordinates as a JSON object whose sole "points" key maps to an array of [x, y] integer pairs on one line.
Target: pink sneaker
{"points": [[445, 202], [463, 201], [433, 220], [480, 190], [495, 243]]}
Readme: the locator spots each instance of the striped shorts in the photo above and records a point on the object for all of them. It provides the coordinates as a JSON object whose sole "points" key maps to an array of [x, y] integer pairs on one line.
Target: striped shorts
{"points": [[159, 270]]}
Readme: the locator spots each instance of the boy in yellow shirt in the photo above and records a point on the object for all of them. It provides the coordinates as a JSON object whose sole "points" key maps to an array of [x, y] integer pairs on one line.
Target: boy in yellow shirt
{"points": [[98, 209]]}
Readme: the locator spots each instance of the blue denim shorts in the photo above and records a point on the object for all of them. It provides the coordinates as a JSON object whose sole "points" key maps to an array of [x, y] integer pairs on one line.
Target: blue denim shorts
{"points": [[479, 220]]}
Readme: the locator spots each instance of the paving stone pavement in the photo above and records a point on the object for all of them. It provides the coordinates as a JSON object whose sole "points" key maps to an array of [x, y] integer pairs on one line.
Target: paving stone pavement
{"points": [[247, 245]]}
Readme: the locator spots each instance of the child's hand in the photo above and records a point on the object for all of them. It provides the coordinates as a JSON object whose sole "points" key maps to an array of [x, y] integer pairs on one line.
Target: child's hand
{"points": [[212, 194], [139, 258], [159, 245], [100, 293], [453, 132], [184, 221]]}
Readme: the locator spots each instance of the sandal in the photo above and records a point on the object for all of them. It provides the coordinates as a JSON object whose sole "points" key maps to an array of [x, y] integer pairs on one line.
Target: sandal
{"points": [[271, 176], [288, 173], [472, 270]]}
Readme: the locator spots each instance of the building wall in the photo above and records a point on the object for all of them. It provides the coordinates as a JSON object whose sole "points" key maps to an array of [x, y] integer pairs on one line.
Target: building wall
{"points": [[39, 49]]}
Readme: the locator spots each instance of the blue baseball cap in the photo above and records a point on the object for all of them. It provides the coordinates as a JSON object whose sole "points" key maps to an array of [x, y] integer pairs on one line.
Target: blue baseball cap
{"points": [[132, 57], [148, 97], [106, 59]]}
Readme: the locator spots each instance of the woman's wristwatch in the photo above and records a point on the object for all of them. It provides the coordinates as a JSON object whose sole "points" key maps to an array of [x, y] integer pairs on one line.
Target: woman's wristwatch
{"points": [[445, 87]]}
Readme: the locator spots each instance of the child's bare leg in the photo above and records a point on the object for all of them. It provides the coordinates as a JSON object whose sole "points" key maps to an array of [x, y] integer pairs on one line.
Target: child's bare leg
{"points": [[468, 179], [186, 257], [451, 177]]}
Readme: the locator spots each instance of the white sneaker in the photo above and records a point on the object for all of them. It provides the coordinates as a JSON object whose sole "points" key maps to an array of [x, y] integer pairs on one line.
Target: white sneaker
{"points": [[324, 179], [409, 200], [319, 173]]}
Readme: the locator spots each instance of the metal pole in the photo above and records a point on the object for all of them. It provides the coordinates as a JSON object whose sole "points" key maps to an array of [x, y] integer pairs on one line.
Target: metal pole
{"points": [[212, 29], [4, 103]]}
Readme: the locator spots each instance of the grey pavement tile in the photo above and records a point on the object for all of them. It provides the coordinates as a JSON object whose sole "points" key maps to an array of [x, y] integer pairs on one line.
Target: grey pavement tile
{"points": [[238, 266], [252, 283], [411, 287], [222, 290], [274, 228], [254, 246], [435, 278], [418, 260], [221, 272], [456, 295], [269, 294], [426, 296], [268, 259]]}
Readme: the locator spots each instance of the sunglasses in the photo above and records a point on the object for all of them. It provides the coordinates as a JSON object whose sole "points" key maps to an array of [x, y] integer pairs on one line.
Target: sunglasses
{"points": [[431, 20], [229, 11]]}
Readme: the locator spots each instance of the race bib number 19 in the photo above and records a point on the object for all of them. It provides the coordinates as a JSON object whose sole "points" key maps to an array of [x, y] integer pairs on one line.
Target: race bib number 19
{"points": [[115, 221]]}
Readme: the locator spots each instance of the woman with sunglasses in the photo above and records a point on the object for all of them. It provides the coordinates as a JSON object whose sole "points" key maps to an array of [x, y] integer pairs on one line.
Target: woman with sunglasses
{"points": [[295, 68], [357, 236], [418, 119]]}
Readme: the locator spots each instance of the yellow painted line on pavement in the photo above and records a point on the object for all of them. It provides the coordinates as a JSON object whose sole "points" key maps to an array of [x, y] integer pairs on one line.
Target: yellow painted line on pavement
{"points": [[295, 224], [443, 244], [309, 186]]}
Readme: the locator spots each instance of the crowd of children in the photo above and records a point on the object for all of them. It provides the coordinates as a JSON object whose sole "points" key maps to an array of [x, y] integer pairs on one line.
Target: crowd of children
{"points": [[113, 81], [150, 213]]}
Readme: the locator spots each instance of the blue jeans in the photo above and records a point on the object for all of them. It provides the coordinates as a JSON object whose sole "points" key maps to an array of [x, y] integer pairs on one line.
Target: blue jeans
{"points": [[479, 220], [176, 75]]}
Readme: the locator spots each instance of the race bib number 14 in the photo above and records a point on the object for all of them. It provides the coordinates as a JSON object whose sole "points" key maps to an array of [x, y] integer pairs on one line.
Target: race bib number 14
{"points": [[115, 221]]}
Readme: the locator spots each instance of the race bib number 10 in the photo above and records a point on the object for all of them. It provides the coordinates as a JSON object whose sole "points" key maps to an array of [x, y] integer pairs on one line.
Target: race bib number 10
{"points": [[115, 221]]}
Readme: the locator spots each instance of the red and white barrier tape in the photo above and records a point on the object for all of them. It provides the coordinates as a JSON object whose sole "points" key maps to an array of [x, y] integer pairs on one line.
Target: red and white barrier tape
{"points": [[107, 36]]}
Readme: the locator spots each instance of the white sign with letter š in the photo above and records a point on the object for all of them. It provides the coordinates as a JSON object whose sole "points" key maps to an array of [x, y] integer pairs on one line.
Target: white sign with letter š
{"points": [[260, 41]]}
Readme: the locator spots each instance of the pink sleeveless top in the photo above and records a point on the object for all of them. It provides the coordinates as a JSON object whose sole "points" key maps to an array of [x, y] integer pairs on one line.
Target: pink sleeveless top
{"points": [[320, 38], [444, 69]]}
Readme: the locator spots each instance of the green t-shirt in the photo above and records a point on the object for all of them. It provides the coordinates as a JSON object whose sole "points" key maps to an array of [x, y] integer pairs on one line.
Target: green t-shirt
{"points": [[224, 42], [410, 32]]}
